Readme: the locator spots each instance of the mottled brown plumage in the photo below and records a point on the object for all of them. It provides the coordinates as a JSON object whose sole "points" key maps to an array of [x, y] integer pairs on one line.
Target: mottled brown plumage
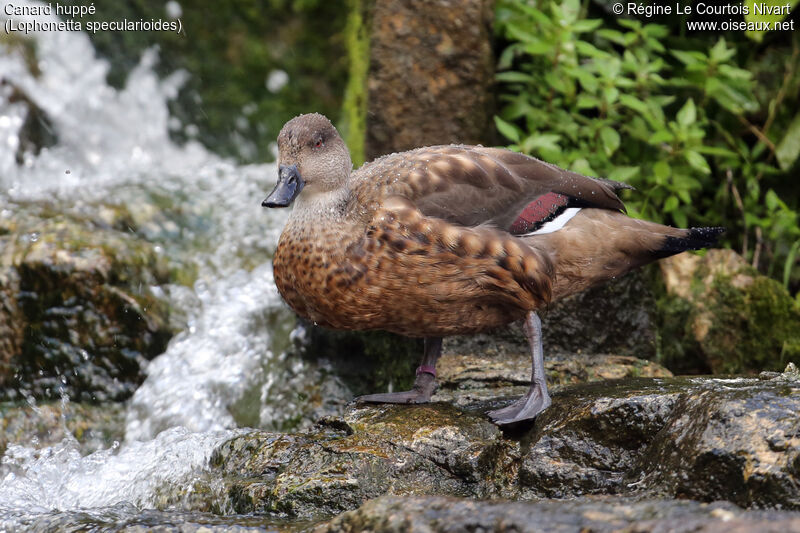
{"points": [[421, 242]]}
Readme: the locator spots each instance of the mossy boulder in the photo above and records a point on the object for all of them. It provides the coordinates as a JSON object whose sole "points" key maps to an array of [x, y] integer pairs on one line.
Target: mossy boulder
{"points": [[719, 314], [79, 311]]}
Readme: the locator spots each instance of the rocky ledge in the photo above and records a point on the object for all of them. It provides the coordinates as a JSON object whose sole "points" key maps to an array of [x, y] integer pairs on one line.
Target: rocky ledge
{"points": [[704, 439]]}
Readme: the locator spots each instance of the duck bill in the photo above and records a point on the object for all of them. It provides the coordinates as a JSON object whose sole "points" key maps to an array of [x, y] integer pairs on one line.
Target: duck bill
{"points": [[290, 183]]}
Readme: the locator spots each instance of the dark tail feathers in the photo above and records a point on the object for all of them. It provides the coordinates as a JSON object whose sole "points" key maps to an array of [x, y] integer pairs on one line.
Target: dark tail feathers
{"points": [[696, 239]]}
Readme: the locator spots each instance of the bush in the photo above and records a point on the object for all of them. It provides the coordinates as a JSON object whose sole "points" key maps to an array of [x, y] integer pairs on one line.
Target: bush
{"points": [[676, 118]]}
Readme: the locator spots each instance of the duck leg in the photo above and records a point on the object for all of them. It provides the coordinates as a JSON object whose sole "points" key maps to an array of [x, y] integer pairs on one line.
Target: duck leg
{"points": [[424, 384], [537, 399]]}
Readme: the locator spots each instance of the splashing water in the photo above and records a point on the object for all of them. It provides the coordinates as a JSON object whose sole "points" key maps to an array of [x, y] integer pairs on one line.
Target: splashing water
{"points": [[113, 146], [59, 479]]}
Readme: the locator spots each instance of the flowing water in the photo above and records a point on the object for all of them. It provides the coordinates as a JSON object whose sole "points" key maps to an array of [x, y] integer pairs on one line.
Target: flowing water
{"points": [[228, 368]]}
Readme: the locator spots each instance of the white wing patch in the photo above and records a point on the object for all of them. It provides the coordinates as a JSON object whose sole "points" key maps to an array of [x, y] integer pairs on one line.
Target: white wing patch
{"points": [[557, 223]]}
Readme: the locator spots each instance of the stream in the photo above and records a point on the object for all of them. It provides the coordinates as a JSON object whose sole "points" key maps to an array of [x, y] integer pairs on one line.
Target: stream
{"points": [[228, 368]]}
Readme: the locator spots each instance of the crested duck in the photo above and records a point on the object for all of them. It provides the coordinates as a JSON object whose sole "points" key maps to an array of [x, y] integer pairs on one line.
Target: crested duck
{"points": [[448, 240]]}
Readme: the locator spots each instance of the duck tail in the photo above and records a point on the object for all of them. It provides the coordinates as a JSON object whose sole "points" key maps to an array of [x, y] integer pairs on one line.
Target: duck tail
{"points": [[694, 239]]}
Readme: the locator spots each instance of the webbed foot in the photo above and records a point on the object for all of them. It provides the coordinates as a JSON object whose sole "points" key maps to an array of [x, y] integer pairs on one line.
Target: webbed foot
{"points": [[424, 387], [537, 399], [526, 408]]}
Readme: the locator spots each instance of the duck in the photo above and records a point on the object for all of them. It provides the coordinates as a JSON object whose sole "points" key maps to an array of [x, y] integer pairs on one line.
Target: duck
{"points": [[448, 240]]}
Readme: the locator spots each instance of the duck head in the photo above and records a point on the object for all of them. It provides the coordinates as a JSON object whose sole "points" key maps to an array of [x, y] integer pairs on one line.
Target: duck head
{"points": [[311, 157]]}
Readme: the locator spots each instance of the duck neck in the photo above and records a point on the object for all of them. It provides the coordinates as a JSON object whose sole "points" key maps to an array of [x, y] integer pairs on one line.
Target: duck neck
{"points": [[319, 206]]}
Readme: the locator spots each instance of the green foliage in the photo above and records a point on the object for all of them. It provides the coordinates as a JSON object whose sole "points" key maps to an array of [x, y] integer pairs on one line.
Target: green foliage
{"points": [[625, 100]]}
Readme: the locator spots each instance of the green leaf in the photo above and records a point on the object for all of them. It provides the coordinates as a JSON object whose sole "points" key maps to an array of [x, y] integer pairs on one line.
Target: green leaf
{"points": [[612, 35], [661, 171], [611, 94], [790, 260], [586, 101], [508, 130], [511, 77], [539, 48], [716, 150], [633, 103], [610, 139], [545, 141], [772, 200], [519, 34], [582, 166], [661, 136], [720, 52], [590, 50], [697, 161], [788, 148], [679, 216], [585, 25], [623, 173], [656, 30], [689, 58], [507, 57], [687, 115], [569, 10], [586, 79], [671, 203]]}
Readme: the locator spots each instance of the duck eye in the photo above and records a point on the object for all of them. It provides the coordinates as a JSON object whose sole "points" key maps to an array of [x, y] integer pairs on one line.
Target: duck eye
{"points": [[319, 144]]}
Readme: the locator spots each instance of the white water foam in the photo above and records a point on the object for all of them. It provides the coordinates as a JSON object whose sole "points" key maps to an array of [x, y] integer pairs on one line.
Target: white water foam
{"points": [[58, 478]]}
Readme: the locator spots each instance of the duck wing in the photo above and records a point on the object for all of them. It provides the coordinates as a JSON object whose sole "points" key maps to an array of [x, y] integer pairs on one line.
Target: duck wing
{"points": [[474, 185]]}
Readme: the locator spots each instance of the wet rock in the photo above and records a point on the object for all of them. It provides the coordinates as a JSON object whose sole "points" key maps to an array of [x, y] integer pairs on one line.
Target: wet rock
{"points": [[442, 514], [700, 438], [346, 461], [79, 307], [430, 72], [742, 446], [720, 314]]}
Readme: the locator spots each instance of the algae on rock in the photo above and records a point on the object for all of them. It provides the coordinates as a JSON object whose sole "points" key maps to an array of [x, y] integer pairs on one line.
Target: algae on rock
{"points": [[719, 314]]}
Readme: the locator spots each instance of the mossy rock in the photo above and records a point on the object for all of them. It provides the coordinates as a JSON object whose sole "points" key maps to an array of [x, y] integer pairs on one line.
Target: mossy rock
{"points": [[77, 307], [719, 314]]}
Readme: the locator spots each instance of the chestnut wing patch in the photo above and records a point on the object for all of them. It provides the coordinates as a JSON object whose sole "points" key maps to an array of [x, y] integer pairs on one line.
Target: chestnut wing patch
{"points": [[542, 210]]}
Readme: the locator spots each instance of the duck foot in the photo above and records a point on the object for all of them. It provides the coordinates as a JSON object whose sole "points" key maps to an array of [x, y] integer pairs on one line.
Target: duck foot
{"points": [[526, 408], [424, 387], [537, 399]]}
